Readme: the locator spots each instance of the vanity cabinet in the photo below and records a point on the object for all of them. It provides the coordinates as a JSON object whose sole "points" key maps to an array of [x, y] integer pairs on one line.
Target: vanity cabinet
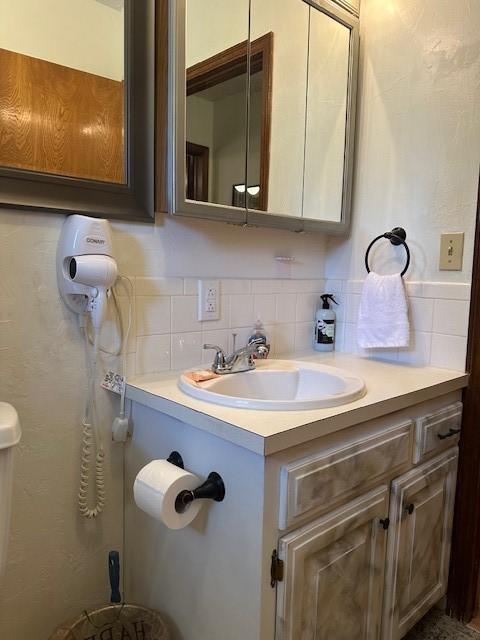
{"points": [[346, 535], [334, 574], [421, 515]]}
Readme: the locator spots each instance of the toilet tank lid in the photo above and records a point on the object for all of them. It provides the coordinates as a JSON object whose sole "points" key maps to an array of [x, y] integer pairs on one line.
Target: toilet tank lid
{"points": [[10, 431]]}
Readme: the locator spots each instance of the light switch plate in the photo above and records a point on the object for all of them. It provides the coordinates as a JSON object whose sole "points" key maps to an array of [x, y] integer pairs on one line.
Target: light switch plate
{"points": [[208, 300], [451, 251]]}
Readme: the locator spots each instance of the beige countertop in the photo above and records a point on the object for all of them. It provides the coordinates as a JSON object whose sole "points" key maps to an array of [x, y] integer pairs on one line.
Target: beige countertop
{"points": [[390, 387]]}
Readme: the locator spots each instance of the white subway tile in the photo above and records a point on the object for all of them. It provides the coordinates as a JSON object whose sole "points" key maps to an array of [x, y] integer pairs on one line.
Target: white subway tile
{"points": [[303, 336], [159, 286], [446, 290], [284, 339], [353, 286], [451, 317], [414, 289], [187, 350], [420, 314], [190, 286], [185, 314], [448, 352], [267, 286], [306, 306], [236, 285], [153, 354], [285, 307], [333, 286], [152, 315], [242, 334], [353, 305], [125, 287], [419, 350], [350, 341], [264, 307], [339, 337], [219, 337], [131, 371], [241, 311], [124, 307], [310, 286]]}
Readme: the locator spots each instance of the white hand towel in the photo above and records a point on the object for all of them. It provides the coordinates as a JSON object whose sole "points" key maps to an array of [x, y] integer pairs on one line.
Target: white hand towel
{"points": [[383, 315]]}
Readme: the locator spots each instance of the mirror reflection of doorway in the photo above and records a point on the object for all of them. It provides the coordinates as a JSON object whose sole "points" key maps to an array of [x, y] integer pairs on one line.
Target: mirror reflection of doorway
{"points": [[217, 123], [197, 158]]}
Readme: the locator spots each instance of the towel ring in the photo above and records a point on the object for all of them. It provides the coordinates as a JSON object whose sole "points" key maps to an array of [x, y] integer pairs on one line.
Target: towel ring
{"points": [[397, 237]]}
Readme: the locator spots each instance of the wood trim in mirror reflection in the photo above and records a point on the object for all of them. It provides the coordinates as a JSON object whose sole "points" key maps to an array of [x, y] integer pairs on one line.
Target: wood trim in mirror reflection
{"points": [[229, 64], [197, 171], [58, 120]]}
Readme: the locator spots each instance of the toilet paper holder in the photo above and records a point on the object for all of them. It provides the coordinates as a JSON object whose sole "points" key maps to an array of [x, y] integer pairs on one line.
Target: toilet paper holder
{"points": [[212, 489]]}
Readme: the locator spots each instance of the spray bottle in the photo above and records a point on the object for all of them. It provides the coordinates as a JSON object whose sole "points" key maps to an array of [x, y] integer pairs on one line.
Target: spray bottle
{"points": [[324, 329]]}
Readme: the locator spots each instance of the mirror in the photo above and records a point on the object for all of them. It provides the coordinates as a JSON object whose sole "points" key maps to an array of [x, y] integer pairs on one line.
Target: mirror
{"points": [[287, 22], [216, 99], [67, 82], [326, 115], [62, 89], [268, 90]]}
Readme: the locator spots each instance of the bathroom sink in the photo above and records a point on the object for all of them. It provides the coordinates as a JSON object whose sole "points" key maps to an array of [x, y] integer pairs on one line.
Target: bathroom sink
{"points": [[279, 385]]}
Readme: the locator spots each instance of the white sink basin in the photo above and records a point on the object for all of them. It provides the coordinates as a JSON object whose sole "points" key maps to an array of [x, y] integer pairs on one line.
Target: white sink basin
{"points": [[279, 385]]}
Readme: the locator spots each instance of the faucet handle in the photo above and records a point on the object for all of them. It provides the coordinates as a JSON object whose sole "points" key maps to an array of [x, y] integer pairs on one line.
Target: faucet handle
{"points": [[219, 359]]}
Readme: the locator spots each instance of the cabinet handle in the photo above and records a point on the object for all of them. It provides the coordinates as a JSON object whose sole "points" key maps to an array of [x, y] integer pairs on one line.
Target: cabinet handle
{"points": [[385, 523], [410, 508], [452, 432]]}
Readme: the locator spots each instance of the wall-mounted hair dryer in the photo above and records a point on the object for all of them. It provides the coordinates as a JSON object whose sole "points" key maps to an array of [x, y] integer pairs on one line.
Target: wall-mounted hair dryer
{"points": [[86, 269]]}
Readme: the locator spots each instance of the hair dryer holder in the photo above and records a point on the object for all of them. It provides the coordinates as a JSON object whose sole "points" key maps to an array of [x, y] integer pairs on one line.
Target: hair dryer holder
{"points": [[212, 489], [80, 236]]}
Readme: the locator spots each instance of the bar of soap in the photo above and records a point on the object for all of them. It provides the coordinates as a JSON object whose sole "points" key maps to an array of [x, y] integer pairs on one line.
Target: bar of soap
{"points": [[201, 376]]}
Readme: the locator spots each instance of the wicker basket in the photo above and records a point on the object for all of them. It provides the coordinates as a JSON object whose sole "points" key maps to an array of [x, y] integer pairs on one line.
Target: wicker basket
{"points": [[115, 622]]}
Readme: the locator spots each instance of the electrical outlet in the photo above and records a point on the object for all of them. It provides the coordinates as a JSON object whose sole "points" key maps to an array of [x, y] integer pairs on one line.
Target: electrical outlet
{"points": [[208, 300], [451, 251]]}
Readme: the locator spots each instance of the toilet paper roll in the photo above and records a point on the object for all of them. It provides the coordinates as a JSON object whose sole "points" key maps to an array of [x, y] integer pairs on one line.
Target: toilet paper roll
{"points": [[156, 488]]}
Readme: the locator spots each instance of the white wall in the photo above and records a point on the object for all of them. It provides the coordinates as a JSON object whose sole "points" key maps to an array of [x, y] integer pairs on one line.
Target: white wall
{"points": [[57, 562], [418, 154], [418, 144], [80, 34]]}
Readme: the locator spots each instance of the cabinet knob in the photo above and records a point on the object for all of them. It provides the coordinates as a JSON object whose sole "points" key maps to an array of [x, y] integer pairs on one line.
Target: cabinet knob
{"points": [[410, 508], [451, 432], [385, 523]]}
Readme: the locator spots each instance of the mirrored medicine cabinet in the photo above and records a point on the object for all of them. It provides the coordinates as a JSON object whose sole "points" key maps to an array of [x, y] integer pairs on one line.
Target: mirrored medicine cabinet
{"points": [[261, 111]]}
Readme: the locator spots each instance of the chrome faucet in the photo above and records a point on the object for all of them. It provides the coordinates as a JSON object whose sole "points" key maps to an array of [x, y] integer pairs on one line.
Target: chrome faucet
{"points": [[241, 359]]}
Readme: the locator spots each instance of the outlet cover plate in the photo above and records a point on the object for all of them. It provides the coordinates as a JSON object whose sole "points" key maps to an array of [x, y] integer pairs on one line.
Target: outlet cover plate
{"points": [[451, 251], [208, 300]]}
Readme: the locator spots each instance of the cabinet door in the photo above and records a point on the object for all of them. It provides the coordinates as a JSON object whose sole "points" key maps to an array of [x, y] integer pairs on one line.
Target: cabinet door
{"points": [[421, 513], [334, 574]]}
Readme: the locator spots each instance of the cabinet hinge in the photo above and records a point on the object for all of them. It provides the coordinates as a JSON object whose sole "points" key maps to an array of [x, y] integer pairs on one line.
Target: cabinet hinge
{"points": [[276, 569], [385, 523]]}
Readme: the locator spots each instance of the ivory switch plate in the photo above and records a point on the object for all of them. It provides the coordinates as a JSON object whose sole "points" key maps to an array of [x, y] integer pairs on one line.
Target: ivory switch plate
{"points": [[451, 251]]}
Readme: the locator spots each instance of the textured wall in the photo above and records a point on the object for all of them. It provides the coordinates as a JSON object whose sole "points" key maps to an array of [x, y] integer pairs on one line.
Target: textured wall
{"points": [[47, 29], [418, 152], [418, 148], [56, 560]]}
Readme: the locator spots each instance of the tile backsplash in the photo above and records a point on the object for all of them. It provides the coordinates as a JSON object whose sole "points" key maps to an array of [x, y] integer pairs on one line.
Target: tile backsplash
{"points": [[167, 335]]}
